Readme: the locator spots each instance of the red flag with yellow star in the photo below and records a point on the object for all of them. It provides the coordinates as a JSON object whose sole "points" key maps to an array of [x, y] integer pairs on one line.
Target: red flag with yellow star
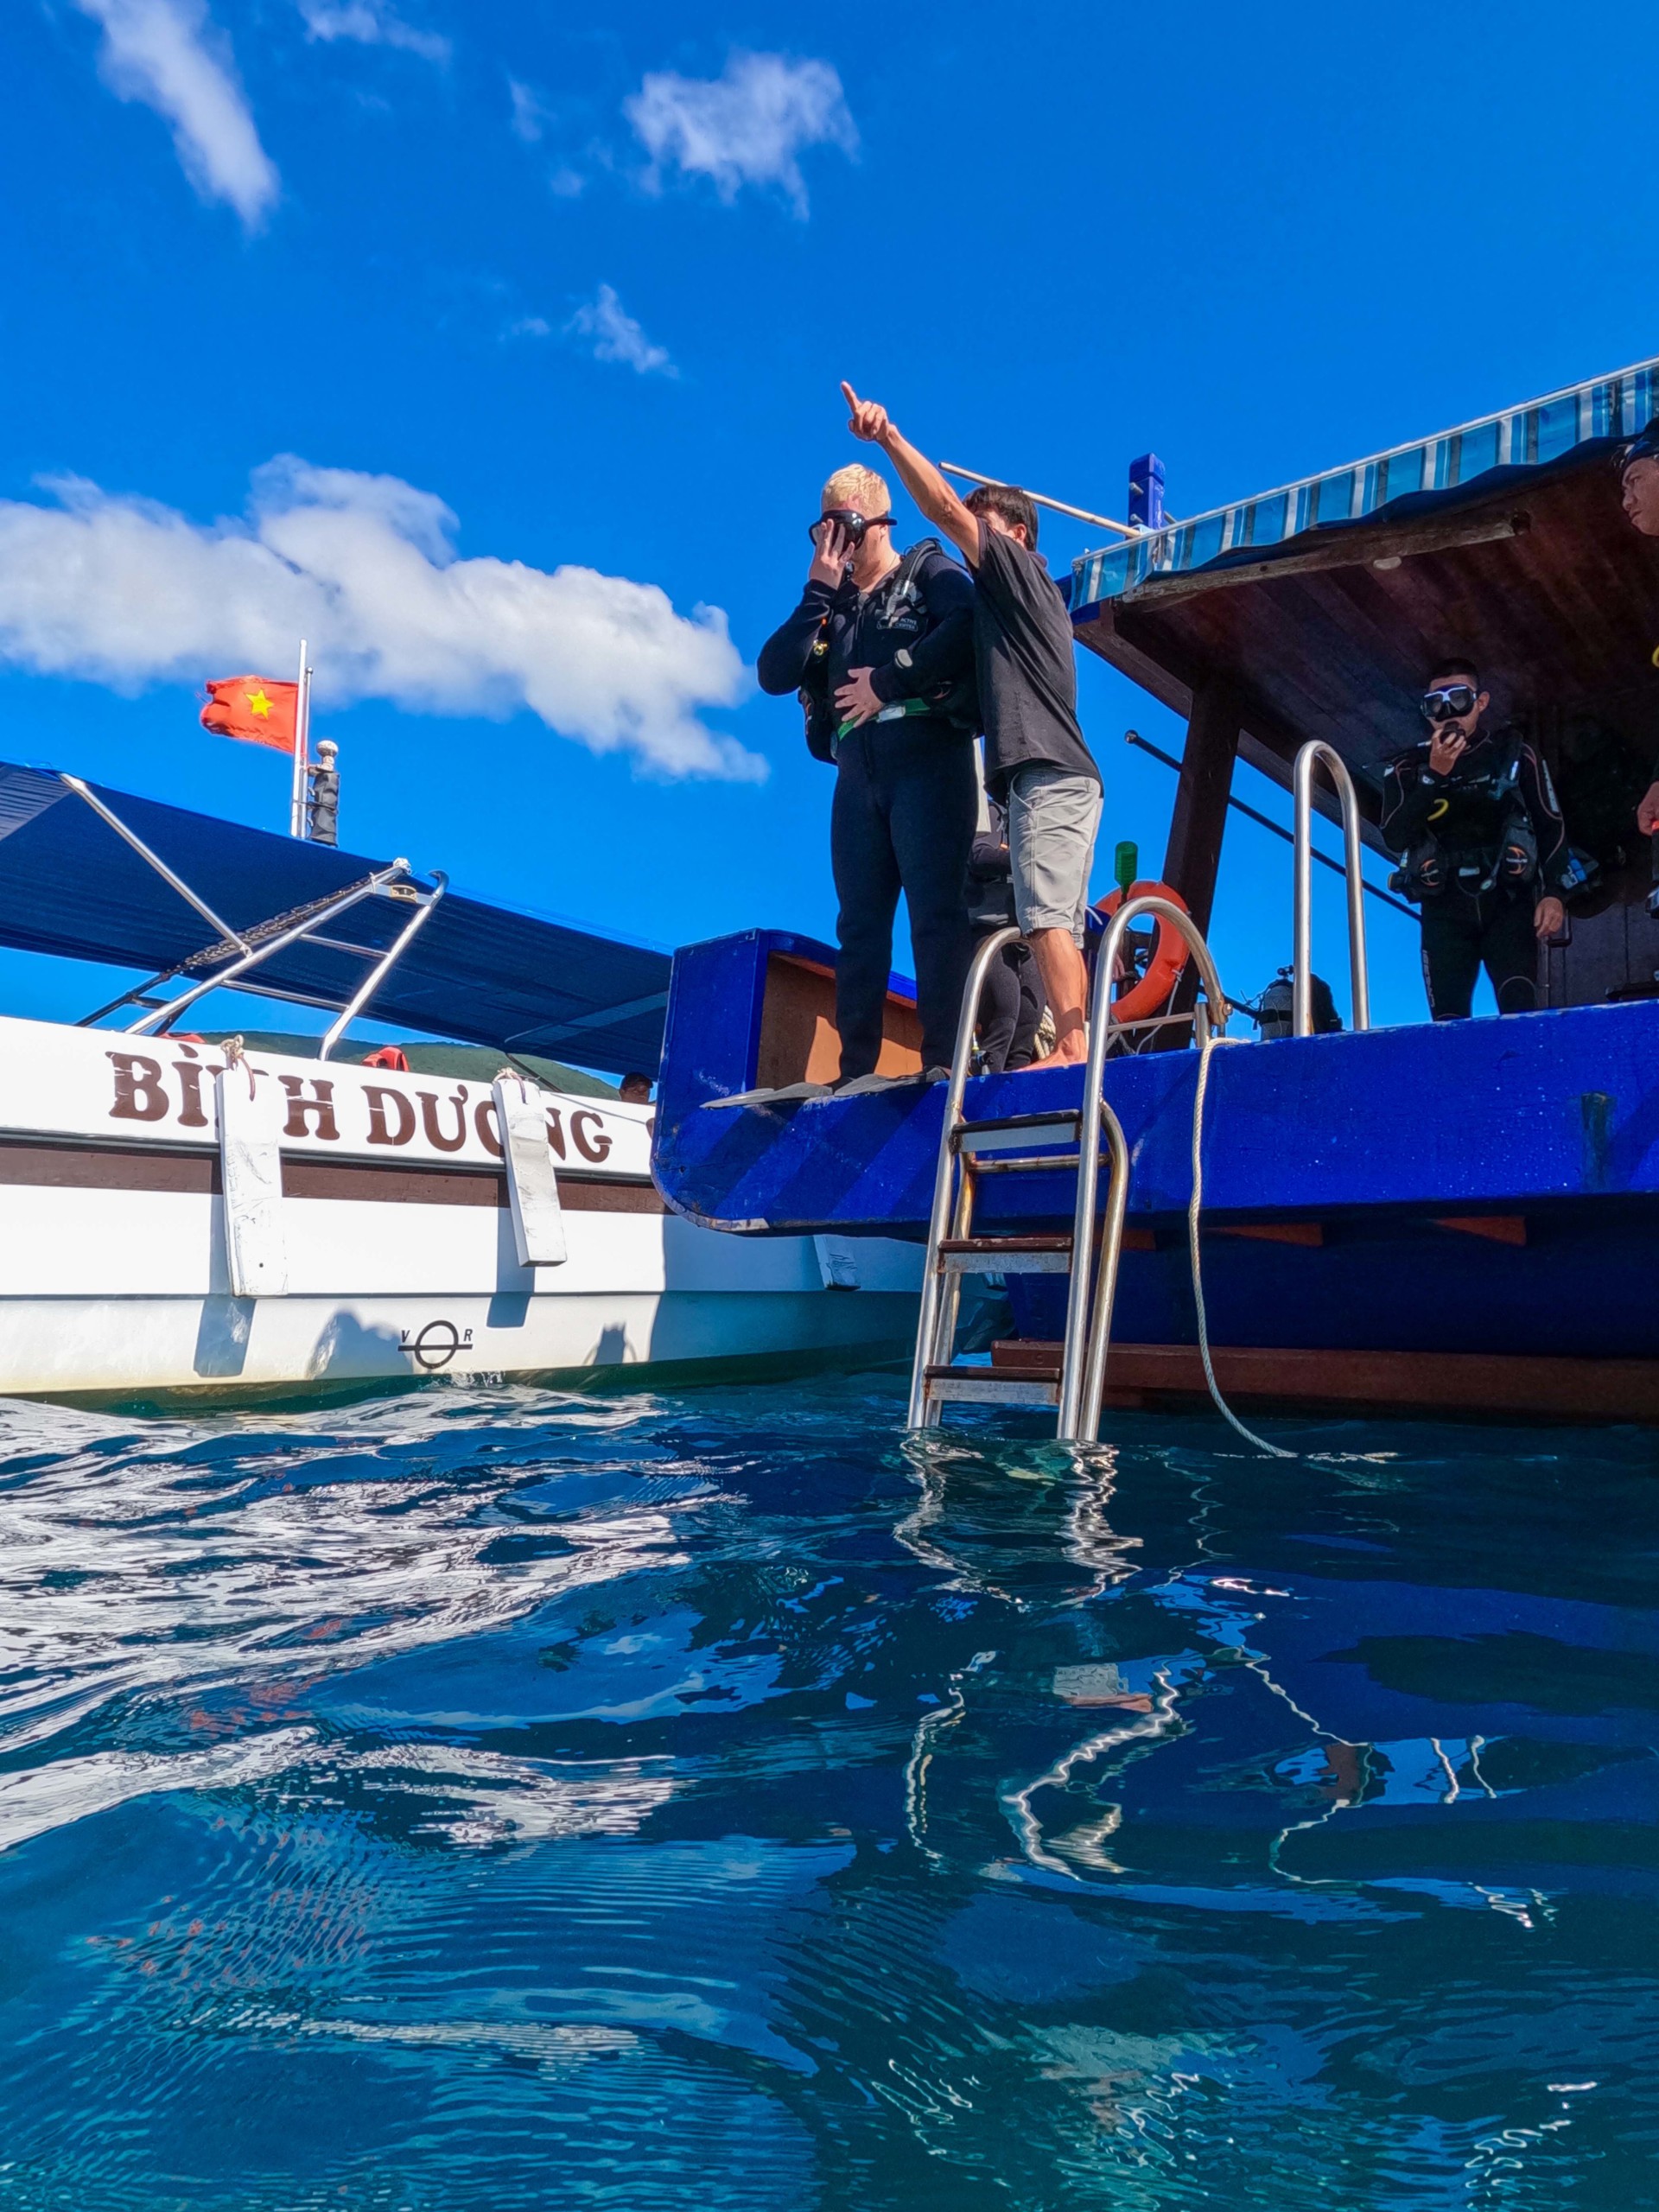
{"points": [[253, 707]]}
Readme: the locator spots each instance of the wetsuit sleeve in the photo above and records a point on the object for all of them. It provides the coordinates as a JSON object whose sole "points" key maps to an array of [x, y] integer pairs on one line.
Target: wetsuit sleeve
{"points": [[781, 665], [1408, 792], [1538, 796], [945, 651]]}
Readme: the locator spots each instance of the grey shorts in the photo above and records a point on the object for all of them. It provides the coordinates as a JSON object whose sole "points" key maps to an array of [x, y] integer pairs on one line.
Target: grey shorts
{"points": [[1053, 819]]}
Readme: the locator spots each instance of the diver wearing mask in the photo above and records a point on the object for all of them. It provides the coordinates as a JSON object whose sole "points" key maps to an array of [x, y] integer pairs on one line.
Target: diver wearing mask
{"points": [[881, 650], [1472, 816]]}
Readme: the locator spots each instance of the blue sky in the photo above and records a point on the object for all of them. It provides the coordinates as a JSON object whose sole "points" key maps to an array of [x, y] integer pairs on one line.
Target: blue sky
{"points": [[502, 348]]}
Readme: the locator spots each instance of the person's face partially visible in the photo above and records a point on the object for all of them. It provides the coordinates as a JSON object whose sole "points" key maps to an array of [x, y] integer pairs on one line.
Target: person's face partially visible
{"points": [[1640, 496]]}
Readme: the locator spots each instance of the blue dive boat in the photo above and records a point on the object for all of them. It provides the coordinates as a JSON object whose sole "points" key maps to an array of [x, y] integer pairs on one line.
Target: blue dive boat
{"points": [[1453, 1217]]}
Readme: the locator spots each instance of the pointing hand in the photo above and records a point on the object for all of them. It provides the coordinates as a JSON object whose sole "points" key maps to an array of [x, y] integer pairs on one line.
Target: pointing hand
{"points": [[869, 421]]}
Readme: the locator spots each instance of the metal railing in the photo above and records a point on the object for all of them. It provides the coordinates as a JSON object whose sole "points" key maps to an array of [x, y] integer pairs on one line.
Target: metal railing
{"points": [[949, 1174], [1311, 755]]}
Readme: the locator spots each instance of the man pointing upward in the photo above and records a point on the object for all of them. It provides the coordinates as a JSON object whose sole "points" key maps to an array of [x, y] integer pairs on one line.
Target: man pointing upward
{"points": [[1036, 762]]}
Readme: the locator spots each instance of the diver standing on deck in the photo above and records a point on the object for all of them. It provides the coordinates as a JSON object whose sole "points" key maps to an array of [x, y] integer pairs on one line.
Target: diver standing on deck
{"points": [[881, 650], [1472, 815], [1036, 761]]}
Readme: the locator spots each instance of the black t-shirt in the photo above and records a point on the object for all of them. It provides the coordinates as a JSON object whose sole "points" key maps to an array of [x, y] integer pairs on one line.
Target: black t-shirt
{"points": [[1027, 679]]}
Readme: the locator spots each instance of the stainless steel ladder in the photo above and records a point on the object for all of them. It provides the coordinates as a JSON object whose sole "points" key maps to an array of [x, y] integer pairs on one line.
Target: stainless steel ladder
{"points": [[1044, 1142], [1312, 755]]}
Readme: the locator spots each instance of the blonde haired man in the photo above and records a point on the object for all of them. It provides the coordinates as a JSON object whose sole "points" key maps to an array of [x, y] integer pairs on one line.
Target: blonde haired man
{"points": [[881, 650]]}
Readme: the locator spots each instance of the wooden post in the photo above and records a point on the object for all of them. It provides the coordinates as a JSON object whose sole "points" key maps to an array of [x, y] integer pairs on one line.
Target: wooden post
{"points": [[1192, 856]]}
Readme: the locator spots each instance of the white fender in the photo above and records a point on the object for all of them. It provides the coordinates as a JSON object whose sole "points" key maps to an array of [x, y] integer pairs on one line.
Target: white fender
{"points": [[251, 1173], [532, 1179]]}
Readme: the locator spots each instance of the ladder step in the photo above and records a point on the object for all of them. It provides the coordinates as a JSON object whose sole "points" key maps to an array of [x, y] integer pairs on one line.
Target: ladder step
{"points": [[1008, 1256], [1015, 1132], [977, 1386]]}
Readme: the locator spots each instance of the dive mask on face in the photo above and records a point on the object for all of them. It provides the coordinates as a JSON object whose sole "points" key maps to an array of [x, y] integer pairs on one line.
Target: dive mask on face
{"points": [[1449, 704], [853, 523]]}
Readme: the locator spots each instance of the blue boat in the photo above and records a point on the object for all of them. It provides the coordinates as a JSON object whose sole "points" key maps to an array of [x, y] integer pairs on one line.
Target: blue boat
{"points": [[1456, 1217]]}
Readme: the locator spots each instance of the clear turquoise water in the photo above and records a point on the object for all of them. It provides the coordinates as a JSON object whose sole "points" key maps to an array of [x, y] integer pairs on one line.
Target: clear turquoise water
{"points": [[488, 1798]]}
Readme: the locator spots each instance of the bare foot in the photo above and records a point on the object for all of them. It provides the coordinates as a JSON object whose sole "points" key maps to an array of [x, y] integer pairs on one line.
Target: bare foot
{"points": [[1060, 1058]]}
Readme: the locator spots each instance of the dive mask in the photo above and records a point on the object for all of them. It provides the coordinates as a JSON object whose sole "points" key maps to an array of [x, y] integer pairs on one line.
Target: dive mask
{"points": [[1449, 704], [852, 523]]}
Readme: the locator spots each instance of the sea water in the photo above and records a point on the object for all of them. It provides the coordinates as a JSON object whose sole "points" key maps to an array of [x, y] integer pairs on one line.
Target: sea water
{"points": [[491, 1797]]}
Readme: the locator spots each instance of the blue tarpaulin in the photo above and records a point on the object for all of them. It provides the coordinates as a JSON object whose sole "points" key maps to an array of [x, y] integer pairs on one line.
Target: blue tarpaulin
{"points": [[479, 974]]}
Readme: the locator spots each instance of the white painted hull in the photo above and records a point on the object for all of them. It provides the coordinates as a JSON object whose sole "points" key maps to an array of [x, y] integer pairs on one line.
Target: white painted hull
{"points": [[114, 1273]]}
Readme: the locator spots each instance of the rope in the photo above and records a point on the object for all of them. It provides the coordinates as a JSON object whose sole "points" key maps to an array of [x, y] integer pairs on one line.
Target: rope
{"points": [[1273, 1450]]}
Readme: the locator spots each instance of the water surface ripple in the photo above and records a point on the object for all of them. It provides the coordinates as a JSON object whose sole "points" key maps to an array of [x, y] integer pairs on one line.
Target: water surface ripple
{"points": [[497, 1798]]}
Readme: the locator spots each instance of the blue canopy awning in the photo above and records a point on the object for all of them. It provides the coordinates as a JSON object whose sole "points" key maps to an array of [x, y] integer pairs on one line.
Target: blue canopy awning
{"points": [[1493, 453], [71, 884]]}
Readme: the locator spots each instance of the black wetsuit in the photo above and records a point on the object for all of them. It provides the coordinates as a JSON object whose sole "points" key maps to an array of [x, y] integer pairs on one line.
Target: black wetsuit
{"points": [[1012, 1002], [1454, 833], [906, 793]]}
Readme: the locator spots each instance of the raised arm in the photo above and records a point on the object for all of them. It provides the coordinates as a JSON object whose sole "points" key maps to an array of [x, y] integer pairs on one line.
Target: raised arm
{"points": [[917, 474]]}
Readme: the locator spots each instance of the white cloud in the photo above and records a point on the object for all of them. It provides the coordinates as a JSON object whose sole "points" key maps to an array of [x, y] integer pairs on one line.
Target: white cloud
{"points": [[615, 336], [746, 127], [371, 22], [121, 591], [169, 55], [530, 114]]}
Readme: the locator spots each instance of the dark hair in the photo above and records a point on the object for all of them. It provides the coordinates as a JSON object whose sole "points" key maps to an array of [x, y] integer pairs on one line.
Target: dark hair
{"points": [[1007, 501], [1453, 665]]}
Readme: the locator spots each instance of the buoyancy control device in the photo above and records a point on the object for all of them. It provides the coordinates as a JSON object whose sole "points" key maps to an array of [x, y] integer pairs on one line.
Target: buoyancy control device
{"points": [[956, 702], [1479, 835]]}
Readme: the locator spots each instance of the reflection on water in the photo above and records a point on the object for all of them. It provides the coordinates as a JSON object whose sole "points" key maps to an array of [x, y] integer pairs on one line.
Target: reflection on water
{"points": [[485, 1797]]}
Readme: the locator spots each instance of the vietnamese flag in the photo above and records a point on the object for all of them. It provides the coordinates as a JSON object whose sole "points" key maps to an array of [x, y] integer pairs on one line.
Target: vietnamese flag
{"points": [[254, 709]]}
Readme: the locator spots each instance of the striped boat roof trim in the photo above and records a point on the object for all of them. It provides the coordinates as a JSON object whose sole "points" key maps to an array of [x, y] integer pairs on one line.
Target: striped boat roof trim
{"points": [[1527, 436]]}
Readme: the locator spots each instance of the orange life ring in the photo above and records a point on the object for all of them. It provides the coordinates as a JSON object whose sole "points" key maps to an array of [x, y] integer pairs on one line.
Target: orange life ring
{"points": [[1169, 955]]}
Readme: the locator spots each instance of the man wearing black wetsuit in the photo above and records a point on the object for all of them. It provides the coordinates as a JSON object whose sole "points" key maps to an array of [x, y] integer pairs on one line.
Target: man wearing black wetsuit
{"points": [[877, 640], [1471, 813]]}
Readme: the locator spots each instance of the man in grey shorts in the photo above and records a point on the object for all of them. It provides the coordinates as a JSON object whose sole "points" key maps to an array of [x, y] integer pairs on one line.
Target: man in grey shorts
{"points": [[1036, 762]]}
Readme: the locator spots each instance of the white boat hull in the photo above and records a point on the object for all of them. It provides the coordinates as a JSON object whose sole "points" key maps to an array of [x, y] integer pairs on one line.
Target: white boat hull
{"points": [[397, 1254]]}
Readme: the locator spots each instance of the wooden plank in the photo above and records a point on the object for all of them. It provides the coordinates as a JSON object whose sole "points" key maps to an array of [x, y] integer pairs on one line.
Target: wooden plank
{"points": [[1496, 1384], [1499, 1228], [1346, 548], [1193, 852], [1308, 1233], [799, 1042]]}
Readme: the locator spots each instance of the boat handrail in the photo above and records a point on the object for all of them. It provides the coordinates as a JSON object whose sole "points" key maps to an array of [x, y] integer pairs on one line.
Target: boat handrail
{"points": [[1311, 755], [394, 953]]}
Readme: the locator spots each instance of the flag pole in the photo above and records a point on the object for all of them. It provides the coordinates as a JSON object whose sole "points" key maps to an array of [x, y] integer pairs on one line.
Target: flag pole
{"points": [[301, 743]]}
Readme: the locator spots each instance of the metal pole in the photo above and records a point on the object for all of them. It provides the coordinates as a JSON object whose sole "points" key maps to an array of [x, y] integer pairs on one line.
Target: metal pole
{"points": [[382, 968], [944, 1178], [1100, 1330], [1059, 506], [1266, 822], [160, 866], [1307, 759], [253, 958], [301, 736]]}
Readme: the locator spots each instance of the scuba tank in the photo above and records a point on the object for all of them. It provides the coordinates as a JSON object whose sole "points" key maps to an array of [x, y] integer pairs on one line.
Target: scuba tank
{"points": [[1274, 1011]]}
